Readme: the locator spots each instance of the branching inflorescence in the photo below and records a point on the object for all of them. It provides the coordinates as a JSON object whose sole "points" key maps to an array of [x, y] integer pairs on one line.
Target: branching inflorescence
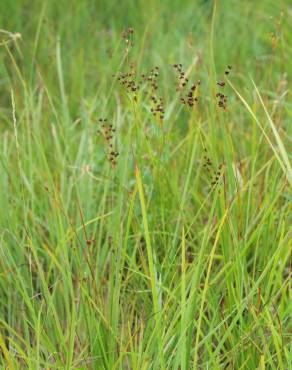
{"points": [[107, 131]]}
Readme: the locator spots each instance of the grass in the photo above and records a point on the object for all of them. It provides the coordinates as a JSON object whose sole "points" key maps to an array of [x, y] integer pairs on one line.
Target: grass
{"points": [[138, 241]]}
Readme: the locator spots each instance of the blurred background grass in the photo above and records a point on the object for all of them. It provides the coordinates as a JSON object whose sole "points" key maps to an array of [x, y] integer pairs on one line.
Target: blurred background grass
{"points": [[246, 34]]}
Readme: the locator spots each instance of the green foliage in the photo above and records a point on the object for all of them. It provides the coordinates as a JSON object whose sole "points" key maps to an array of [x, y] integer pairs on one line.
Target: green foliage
{"points": [[145, 241]]}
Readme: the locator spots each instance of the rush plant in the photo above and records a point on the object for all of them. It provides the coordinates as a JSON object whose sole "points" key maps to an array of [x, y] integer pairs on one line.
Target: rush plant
{"points": [[145, 184]]}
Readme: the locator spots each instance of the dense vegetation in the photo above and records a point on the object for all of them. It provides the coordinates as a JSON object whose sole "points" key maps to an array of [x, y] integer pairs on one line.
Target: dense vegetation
{"points": [[145, 184]]}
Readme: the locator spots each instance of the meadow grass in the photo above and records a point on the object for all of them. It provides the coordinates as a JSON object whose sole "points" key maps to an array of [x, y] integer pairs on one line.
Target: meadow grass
{"points": [[140, 239]]}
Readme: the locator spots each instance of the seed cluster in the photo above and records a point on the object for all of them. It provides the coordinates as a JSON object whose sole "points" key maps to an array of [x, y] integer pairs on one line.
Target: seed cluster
{"points": [[148, 82], [157, 103], [128, 37], [107, 131], [222, 98], [207, 161], [188, 97], [182, 80], [126, 80], [129, 81], [158, 107], [151, 78], [214, 174], [217, 175]]}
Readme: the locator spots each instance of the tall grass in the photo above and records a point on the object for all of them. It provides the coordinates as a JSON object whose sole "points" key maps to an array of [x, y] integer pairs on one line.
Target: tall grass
{"points": [[134, 240]]}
